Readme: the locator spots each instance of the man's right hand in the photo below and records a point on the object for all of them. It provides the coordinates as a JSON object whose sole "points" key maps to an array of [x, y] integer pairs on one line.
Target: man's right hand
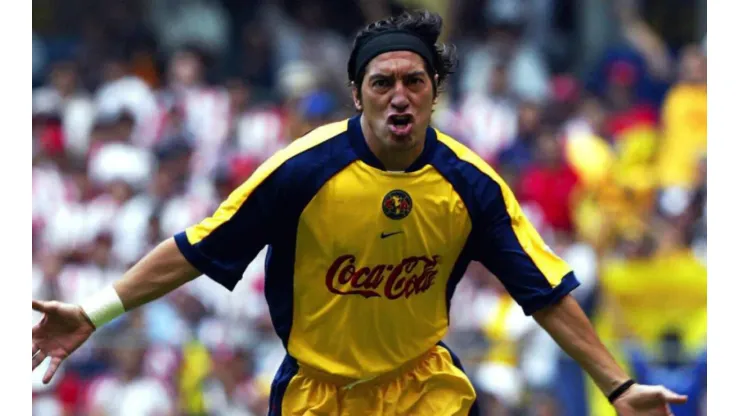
{"points": [[63, 328]]}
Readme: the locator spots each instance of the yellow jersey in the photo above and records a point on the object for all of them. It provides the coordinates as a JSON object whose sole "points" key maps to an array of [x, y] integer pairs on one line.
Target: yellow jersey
{"points": [[684, 142], [362, 262]]}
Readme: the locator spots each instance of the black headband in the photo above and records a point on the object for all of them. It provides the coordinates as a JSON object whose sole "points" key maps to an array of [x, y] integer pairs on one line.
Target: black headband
{"points": [[396, 40]]}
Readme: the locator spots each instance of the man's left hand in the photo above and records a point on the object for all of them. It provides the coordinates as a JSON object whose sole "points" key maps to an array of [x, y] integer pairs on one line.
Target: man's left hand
{"points": [[641, 400]]}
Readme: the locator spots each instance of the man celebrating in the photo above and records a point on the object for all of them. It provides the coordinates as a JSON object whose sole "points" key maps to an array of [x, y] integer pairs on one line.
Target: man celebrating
{"points": [[371, 223]]}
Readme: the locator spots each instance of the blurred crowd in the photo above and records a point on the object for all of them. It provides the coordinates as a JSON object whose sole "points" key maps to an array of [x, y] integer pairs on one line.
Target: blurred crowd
{"points": [[146, 114]]}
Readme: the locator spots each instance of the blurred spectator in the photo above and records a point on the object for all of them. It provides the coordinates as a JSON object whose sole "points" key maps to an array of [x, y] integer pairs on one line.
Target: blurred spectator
{"points": [[675, 370], [231, 391], [256, 57], [121, 90], [565, 96], [522, 357], [638, 34], [258, 130], [184, 22], [164, 204], [589, 118], [487, 118], [525, 66], [520, 154], [75, 282], [625, 112], [550, 183], [637, 45], [499, 375], [174, 127], [117, 170], [637, 270], [684, 141], [204, 108], [588, 148], [48, 187], [308, 38], [118, 157], [64, 95], [127, 390]]}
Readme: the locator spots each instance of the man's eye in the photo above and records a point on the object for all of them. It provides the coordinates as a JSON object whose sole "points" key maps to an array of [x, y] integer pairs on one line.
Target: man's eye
{"points": [[414, 81], [380, 83]]}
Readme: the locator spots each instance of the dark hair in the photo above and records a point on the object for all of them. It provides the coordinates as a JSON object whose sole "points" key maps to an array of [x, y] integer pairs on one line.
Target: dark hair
{"points": [[427, 26]]}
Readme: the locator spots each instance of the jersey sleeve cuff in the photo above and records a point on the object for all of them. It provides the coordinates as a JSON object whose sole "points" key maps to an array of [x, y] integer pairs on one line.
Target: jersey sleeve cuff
{"points": [[567, 285], [204, 265]]}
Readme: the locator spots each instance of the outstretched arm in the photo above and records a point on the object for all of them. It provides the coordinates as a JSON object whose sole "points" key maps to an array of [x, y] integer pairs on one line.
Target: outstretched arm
{"points": [[507, 244], [566, 322], [568, 325], [161, 271], [221, 246]]}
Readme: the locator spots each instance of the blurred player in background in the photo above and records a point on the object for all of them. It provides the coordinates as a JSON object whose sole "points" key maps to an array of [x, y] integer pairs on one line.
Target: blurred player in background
{"points": [[370, 224]]}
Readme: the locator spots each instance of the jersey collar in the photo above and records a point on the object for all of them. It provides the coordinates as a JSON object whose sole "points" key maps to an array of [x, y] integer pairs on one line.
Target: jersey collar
{"points": [[366, 155]]}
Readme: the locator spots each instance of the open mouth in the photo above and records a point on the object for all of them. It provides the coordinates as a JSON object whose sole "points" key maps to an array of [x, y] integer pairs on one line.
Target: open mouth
{"points": [[400, 119], [400, 124]]}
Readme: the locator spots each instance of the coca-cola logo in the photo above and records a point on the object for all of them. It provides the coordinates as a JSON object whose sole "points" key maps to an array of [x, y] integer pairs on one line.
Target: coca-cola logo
{"points": [[412, 276]]}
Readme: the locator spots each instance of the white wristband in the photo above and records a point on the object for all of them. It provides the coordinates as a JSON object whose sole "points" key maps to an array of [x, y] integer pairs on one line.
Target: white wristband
{"points": [[103, 307]]}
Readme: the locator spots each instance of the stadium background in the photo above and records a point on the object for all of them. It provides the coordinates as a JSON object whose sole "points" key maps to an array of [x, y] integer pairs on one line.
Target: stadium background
{"points": [[147, 113]]}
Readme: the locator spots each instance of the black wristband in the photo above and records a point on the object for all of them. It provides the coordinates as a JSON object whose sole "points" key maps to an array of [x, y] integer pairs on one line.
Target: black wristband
{"points": [[620, 390]]}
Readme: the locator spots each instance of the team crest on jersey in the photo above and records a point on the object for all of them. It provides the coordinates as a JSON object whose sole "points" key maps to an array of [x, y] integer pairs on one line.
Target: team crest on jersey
{"points": [[397, 204]]}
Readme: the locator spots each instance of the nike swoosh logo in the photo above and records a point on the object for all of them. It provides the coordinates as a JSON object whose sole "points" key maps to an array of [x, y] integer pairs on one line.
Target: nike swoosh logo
{"points": [[384, 235]]}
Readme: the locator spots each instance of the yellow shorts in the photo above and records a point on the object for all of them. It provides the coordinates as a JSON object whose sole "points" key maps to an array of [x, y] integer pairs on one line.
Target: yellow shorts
{"points": [[433, 384]]}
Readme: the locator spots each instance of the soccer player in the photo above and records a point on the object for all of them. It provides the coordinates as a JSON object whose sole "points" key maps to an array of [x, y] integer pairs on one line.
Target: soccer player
{"points": [[371, 223]]}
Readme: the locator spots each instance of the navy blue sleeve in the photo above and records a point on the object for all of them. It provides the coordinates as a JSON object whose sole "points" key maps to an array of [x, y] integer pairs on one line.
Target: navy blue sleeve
{"points": [[222, 245], [266, 208], [502, 238]]}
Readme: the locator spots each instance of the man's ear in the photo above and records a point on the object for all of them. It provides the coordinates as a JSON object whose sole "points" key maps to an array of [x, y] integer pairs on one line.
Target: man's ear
{"points": [[356, 97]]}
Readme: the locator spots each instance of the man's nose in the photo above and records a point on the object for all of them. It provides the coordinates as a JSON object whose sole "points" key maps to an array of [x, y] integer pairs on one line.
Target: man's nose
{"points": [[400, 100]]}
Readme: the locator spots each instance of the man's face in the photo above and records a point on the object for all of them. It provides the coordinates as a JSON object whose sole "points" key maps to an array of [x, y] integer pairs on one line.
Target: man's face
{"points": [[397, 99], [529, 117], [64, 78], [186, 69]]}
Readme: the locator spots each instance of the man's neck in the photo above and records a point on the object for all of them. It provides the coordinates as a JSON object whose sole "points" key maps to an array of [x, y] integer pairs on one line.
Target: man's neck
{"points": [[392, 160]]}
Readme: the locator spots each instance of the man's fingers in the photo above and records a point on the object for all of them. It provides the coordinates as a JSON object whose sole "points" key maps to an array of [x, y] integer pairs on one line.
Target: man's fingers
{"points": [[676, 399], [53, 366], [34, 349], [37, 359], [40, 306], [46, 306], [673, 398]]}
